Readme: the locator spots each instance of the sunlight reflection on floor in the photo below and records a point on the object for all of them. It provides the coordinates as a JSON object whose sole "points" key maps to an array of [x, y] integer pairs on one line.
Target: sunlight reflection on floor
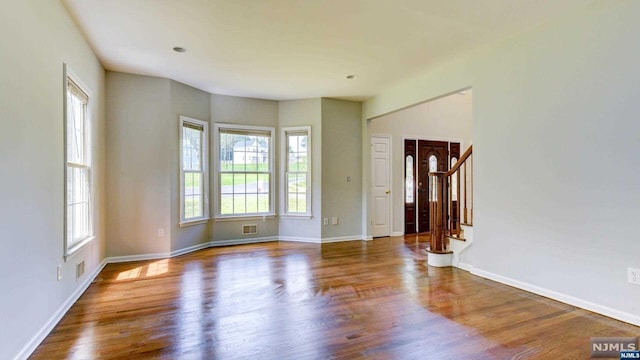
{"points": [[152, 269]]}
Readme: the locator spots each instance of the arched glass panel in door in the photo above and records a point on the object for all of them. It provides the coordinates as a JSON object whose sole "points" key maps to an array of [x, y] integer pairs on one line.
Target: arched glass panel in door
{"points": [[433, 166], [433, 163]]}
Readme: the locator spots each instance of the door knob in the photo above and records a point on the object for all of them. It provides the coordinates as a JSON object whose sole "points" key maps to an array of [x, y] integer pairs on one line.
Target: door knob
{"points": [[387, 192]]}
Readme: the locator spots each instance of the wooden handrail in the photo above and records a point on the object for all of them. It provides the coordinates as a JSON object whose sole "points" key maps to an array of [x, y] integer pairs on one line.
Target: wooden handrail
{"points": [[462, 159], [445, 216]]}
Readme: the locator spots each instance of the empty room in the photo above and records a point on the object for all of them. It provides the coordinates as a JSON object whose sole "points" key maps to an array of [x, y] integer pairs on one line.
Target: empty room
{"points": [[284, 179]]}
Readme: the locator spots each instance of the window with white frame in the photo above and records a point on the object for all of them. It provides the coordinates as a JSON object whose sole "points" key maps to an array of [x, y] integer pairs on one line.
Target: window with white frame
{"points": [[244, 159], [194, 178], [78, 192], [297, 170]]}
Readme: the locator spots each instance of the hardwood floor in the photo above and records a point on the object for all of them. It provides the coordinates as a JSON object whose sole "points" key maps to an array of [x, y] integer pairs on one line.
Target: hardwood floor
{"points": [[286, 300]]}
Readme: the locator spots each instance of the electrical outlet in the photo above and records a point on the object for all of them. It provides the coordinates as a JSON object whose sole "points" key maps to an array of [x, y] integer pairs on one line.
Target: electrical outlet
{"points": [[634, 276], [334, 221], [59, 272], [325, 221], [79, 269], [160, 232]]}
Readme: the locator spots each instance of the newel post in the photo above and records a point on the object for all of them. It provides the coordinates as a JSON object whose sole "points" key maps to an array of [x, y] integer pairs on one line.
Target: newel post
{"points": [[438, 254]]}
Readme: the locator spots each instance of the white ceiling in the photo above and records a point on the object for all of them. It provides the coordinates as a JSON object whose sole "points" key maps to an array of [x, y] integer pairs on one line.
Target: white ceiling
{"points": [[292, 49]]}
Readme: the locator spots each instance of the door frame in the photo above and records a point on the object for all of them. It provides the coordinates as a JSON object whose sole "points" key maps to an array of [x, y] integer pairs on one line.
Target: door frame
{"points": [[390, 174], [426, 138]]}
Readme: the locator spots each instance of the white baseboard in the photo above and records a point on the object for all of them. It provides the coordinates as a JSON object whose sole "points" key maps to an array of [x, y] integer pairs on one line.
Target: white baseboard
{"points": [[157, 256], [368, 238], [341, 238], [190, 249], [321, 240], [242, 241], [140, 257], [31, 346], [300, 239], [465, 267], [567, 299], [397, 233]]}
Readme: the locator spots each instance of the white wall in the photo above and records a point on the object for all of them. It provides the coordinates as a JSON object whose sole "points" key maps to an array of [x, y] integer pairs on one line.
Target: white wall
{"points": [[448, 118], [141, 133], [341, 157], [243, 111], [555, 155], [299, 113], [36, 37]]}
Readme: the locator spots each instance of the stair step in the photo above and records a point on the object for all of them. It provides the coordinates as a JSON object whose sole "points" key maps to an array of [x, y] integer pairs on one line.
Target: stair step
{"points": [[456, 238]]}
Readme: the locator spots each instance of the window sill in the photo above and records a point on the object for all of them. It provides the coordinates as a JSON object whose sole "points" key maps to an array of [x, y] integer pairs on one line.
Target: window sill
{"points": [[75, 248], [245, 217], [297, 217], [194, 222]]}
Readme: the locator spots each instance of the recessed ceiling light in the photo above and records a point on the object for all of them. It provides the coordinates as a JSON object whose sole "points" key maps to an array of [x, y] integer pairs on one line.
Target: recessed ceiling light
{"points": [[352, 77], [179, 49]]}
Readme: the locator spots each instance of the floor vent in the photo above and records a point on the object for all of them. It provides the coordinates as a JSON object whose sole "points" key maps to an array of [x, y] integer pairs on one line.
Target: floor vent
{"points": [[249, 229]]}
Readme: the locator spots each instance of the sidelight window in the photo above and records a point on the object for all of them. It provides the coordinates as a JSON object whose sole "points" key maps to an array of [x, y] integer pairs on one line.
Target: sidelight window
{"points": [[409, 181]]}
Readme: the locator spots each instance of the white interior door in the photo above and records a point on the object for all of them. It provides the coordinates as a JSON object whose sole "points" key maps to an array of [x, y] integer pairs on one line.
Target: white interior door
{"points": [[381, 185]]}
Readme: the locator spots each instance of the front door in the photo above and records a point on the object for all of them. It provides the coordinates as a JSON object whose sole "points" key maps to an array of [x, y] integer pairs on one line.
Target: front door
{"points": [[432, 156]]}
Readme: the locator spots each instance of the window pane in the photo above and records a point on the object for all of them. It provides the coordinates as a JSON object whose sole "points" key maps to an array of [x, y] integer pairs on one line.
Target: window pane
{"points": [[226, 183], [226, 152], [263, 152], [263, 183], [300, 183], [193, 195], [252, 183], [191, 148], [193, 184], [239, 153], [302, 161], [239, 204], [78, 219], [292, 203], [188, 207], [302, 203], [226, 204], [76, 109], [297, 150], [197, 205], [263, 203], [252, 203]]}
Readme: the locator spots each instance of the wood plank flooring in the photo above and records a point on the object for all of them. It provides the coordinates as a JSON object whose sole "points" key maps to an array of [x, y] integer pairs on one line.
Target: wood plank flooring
{"points": [[350, 300]]}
